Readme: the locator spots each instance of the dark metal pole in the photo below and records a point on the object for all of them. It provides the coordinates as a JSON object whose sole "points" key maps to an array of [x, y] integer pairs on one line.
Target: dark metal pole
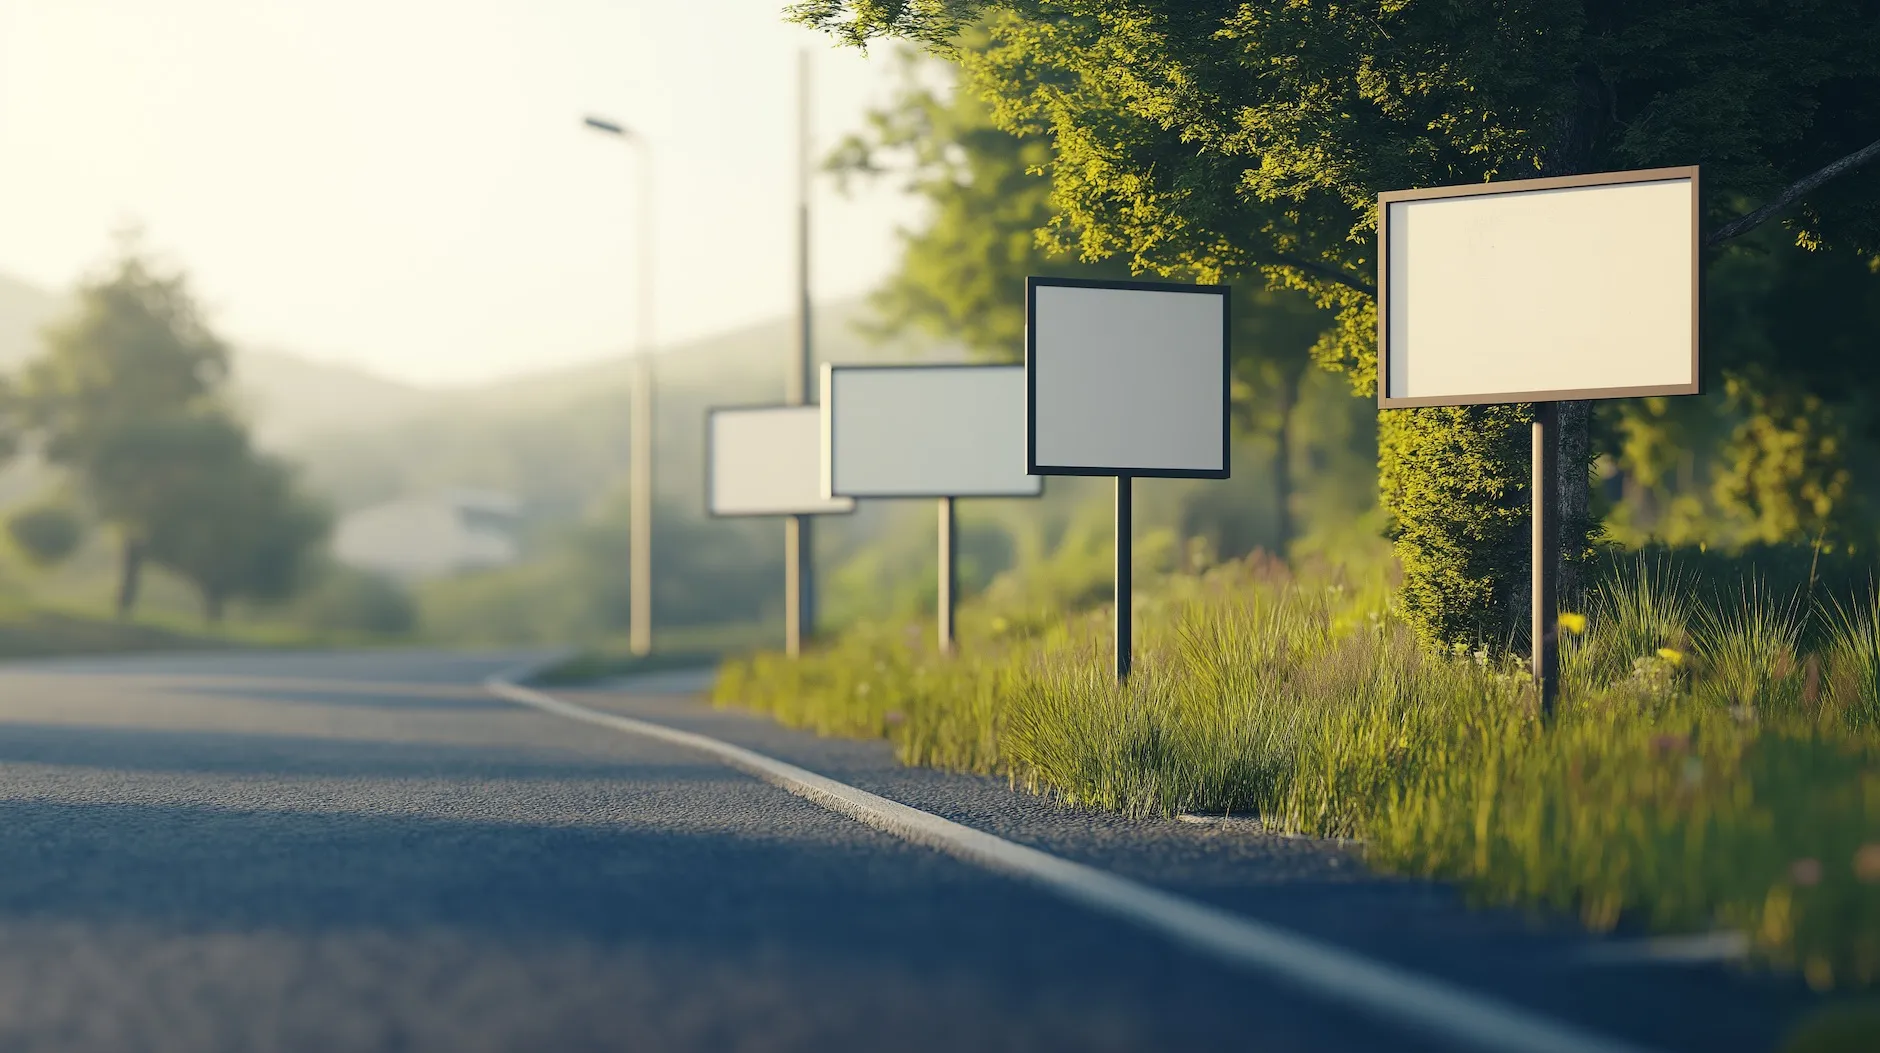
{"points": [[949, 574], [1545, 631], [799, 574], [1125, 585]]}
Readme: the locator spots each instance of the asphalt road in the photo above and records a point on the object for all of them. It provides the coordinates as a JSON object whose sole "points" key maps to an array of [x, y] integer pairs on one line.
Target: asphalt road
{"points": [[368, 852]]}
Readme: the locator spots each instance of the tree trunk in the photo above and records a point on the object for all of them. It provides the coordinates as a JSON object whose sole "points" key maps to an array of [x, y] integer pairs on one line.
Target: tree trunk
{"points": [[130, 575], [1282, 463], [1575, 453]]}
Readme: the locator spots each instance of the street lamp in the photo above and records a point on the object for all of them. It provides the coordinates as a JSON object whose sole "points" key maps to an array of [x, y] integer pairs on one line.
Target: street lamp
{"points": [[640, 411]]}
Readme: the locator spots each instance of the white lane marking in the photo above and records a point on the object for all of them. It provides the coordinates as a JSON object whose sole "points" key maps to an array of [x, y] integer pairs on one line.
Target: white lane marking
{"points": [[1441, 1009], [1694, 949]]}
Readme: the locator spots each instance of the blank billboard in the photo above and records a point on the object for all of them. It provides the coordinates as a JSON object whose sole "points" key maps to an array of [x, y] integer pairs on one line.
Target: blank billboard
{"points": [[1126, 378], [766, 461], [925, 431], [1540, 289]]}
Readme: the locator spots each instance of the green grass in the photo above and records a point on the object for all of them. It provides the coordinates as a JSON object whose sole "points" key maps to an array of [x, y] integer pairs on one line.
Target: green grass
{"points": [[1712, 765]]}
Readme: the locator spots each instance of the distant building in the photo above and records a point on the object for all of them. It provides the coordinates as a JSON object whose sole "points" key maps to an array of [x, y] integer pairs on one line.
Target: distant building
{"points": [[431, 535]]}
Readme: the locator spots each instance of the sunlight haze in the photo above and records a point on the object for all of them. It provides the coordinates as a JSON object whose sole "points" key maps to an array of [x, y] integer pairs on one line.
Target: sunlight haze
{"points": [[407, 187]]}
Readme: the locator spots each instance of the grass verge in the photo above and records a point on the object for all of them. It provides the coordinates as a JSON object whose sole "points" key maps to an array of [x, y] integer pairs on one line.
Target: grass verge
{"points": [[1713, 764]]}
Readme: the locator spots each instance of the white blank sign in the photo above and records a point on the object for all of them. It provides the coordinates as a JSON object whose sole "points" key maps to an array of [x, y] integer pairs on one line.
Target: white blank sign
{"points": [[767, 461], [1126, 378], [925, 431], [1585, 287]]}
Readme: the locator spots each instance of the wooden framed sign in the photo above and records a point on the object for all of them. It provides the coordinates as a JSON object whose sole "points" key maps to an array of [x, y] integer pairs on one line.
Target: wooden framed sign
{"points": [[1537, 290]]}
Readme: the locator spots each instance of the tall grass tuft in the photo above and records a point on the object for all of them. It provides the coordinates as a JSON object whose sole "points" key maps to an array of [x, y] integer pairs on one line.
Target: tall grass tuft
{"points": [[1751, 654], [1637, 614], [1853, 650]]}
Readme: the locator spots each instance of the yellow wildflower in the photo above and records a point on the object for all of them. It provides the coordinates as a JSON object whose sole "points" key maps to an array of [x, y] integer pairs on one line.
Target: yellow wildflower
{"points": [[1671, 655], [1573, 623]]}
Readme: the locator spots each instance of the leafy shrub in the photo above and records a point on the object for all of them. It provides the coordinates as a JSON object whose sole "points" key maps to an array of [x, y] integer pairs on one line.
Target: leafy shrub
{"points": [[46, 533], [355, 601]]}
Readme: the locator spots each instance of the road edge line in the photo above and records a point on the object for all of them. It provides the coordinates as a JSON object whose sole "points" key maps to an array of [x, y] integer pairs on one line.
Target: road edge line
{"points": [[1400, 996]]}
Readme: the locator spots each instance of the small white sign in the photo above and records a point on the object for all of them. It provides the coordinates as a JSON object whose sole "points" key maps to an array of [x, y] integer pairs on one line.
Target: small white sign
{"points": [[925, 431], [1126, 378], [1539, 290], [767, 461]]}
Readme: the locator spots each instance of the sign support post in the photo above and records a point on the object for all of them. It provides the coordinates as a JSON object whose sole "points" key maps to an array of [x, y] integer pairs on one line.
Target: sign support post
{"points": [[766, 461], [1127, 379], [949, 575], [1545, 494], [1541, 291], [935, 432], [1125, 575]]}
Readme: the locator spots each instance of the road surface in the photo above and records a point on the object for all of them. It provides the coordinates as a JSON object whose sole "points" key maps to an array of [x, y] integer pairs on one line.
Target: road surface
{"points": [[367, 851]]}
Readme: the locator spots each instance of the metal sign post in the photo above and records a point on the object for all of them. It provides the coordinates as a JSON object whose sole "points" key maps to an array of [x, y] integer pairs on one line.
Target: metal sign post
{"points": [[1126, 379], [948, 600], [1541, 291], [943, 431], [1125, 576], [767, 461], [1545, 554]]}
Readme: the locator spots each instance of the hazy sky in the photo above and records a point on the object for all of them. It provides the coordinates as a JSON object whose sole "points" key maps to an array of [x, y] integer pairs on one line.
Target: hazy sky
{"points": [[405, 185]]}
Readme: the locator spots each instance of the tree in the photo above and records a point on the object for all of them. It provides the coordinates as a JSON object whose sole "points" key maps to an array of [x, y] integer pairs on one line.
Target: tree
{"points": [[961, 276], [1207, 137], [134, 355], [225, 519]]}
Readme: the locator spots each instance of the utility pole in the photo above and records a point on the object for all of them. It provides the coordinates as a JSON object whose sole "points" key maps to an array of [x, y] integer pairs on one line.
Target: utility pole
{"points": [[799, 557]]}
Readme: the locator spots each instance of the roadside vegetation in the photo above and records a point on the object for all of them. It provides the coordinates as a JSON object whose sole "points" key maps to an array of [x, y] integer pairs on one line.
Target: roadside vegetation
{"points": [[1715, 762]]}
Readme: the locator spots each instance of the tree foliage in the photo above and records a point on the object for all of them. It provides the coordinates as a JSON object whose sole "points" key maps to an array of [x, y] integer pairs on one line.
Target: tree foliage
{"points": [[1208, 137], [962, 274], [234, 527], [1783, 448]]}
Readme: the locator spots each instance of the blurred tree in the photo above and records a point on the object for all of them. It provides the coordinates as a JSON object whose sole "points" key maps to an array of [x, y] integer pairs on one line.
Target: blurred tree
{"points": [[135, 351], [1208, 137]]}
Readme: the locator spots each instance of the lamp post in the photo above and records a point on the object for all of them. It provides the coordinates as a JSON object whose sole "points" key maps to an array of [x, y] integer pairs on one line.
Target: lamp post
{"points": [[640, 410]]}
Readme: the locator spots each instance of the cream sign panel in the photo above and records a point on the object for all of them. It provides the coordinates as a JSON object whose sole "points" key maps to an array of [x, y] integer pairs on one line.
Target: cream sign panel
{"points": [[1584, 287]]}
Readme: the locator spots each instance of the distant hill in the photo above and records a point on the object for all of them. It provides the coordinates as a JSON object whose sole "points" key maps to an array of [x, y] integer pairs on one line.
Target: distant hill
{"points": [[556, 439], [286, 396]]}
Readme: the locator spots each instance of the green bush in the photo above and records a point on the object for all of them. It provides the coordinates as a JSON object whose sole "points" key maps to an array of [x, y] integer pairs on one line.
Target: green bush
{"points": [[354, 601], [1454, 482], [46, 533]]}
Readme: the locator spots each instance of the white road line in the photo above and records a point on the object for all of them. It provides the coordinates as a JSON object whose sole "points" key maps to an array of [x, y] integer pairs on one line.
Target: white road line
{"points": [[1695, 949], [1399, 996]]}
